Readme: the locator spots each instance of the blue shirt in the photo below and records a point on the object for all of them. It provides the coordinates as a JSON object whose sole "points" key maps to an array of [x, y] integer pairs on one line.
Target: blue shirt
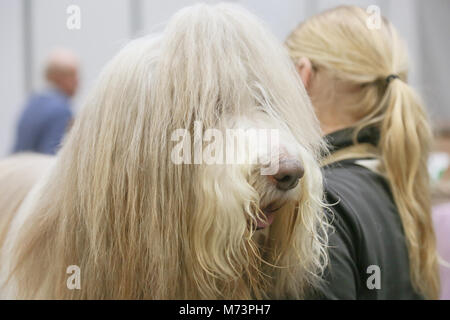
{"points": [[43, 123]]}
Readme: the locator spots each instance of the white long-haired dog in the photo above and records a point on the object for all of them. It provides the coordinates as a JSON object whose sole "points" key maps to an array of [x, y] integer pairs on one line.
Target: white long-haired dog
{"points": [[138, 224]]}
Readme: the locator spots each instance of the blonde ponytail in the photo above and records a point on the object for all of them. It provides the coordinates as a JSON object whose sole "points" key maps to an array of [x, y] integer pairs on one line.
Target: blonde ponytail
{"points": [[404, 147], [339, 41]]}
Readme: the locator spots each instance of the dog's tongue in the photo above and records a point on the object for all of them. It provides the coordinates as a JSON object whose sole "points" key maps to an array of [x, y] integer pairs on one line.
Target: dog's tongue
{"points": [[269, 218]]}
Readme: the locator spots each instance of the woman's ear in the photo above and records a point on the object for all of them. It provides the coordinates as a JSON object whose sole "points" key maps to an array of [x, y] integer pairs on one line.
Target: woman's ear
{"points": [[304, 68]]}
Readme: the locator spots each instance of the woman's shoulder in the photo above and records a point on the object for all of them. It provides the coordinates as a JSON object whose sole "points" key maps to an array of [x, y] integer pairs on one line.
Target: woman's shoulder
{"points": [[366, 231], [358, 194], [358, 181]]}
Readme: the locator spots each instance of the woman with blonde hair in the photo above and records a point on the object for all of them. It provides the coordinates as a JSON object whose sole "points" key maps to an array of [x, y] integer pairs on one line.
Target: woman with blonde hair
{"points": [[382, 245]]}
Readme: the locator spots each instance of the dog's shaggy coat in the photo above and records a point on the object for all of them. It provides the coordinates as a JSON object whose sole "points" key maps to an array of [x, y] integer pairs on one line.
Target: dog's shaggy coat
{"points": [[140, 226]]}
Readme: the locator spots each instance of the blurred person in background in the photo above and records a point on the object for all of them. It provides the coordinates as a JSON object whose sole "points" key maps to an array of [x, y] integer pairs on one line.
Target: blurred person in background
{"points": [[47, 115], [382, 242]]}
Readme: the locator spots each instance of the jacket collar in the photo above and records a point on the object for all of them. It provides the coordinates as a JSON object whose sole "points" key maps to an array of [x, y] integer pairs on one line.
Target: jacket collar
{"points": [[344, 138], [342, 146]]}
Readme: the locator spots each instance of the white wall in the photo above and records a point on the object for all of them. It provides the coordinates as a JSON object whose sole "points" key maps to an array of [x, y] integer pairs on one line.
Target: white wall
{"points": [[12, 85], [107, 24], [105, 27]]}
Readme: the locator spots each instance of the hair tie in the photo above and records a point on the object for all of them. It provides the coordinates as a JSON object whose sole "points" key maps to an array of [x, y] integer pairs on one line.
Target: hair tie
{"points": [[391, 77]]}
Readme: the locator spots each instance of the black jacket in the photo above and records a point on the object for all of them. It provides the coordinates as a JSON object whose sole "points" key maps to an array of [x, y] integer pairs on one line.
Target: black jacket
{"points": [[367, 241]]}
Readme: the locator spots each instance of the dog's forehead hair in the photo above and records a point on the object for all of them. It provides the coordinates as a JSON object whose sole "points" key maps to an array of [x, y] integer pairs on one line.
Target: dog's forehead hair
{"points": [[271, 134]]}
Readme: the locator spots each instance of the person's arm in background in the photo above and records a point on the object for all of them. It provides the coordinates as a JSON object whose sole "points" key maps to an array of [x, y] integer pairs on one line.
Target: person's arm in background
{"points": [[27, 130], [24, 138], [53, 131]]}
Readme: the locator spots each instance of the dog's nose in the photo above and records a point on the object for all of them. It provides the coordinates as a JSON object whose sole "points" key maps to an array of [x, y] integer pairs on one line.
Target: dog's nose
{"points": [[289, 173]]}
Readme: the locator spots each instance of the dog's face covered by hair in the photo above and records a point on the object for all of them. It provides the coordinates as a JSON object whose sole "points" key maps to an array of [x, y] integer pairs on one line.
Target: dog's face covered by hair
{"points": [[258, 160], [269, 187], [144, 198]]}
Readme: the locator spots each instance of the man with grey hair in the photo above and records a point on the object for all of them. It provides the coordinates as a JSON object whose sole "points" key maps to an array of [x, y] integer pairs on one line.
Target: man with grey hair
{"points": [[47, 115]]}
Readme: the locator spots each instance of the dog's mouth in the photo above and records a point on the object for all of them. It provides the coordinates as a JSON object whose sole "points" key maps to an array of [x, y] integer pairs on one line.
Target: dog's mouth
{"points": [[268, 215]]}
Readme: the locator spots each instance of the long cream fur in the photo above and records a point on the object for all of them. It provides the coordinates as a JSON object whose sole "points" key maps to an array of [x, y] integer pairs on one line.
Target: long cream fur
{"points": [[140, 226]]}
